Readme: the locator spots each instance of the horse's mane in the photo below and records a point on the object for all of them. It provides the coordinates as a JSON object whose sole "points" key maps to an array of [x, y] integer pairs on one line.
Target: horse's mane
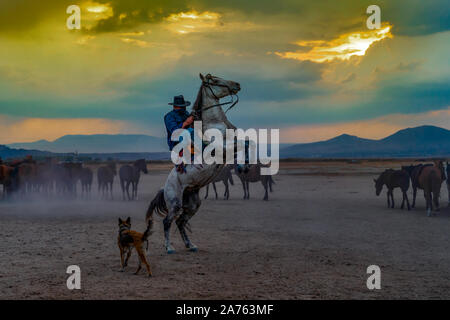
{"points": [[199, 100]]}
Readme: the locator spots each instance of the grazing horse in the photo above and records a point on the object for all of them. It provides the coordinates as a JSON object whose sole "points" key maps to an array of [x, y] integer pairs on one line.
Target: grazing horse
{"points": [[86, 177], [131, 175], [180, 197], [252, 173], [393, 179], [224, 176], [105, 178]]}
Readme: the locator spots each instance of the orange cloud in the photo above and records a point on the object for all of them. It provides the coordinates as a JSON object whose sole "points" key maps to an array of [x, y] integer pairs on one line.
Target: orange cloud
{"points": [[342, 48]]}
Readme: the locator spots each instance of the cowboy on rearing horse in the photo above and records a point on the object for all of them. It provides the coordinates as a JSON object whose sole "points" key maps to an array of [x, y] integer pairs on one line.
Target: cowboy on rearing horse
{"points": [[178, 118]]}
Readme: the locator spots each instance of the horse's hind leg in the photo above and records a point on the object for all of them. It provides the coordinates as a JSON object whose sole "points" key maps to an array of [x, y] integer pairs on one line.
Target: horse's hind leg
{"points": [[392, 198], [388, 199], [403, 200], [428, 201], [122, 186], [215, 190], [191, 203], [414, 196], [226, 195], [135, 190], [207, 191], [181, 224], [248, 189], [243, 187], [264, 182], [127, 188], [405, 195], [436, 199]]}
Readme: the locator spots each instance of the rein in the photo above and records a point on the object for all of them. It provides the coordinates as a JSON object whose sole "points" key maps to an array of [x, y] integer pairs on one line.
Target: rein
{"points": [[232, 102]]}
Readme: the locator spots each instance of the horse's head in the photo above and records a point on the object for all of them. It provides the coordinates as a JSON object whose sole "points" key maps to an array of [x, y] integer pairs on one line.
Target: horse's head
{"points": [[219, 87], [141, 165], [210, 92], [378, 184]]}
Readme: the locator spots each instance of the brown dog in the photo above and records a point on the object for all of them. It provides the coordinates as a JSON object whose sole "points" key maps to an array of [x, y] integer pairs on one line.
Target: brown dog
{"points": [[128, 239]]}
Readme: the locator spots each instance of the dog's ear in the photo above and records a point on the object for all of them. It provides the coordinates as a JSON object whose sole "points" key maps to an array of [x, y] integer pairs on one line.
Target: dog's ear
{"points": [[128, 220], [120, 221]]}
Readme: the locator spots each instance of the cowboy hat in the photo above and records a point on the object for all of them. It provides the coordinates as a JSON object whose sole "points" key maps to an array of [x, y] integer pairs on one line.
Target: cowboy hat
{"points": [[178, 101]]}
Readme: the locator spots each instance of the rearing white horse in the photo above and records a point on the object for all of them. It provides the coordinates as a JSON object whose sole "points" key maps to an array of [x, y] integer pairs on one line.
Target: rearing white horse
{"points": [[180, 199]]}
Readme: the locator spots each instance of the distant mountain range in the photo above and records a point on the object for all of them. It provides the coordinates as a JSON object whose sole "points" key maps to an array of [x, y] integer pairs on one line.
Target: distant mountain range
{"points": [[97, 143], [424, 141]]}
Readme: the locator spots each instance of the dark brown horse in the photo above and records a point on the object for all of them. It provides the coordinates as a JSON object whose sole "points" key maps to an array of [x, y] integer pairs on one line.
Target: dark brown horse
{"points": [[8, 178], [393, 179], [252, 173], [414, 172], [86, 177], [105, 178], [224, 176], [448, 182], [429, 178], [131, 175]]}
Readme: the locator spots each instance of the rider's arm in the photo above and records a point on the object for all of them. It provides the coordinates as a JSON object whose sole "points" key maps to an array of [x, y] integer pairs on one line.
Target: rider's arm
{"points": [[171, 123]]}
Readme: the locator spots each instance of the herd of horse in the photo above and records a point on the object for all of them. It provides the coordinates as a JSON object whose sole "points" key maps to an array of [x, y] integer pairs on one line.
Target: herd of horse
{"points": [[27, 176], [427, 177]]}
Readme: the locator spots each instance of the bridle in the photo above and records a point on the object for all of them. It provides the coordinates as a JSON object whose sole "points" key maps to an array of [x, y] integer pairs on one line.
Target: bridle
{"points": [[232, 103]]}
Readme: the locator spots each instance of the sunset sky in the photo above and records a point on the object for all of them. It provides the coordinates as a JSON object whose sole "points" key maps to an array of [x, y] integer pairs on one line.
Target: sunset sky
{"points": [[311, 68]]}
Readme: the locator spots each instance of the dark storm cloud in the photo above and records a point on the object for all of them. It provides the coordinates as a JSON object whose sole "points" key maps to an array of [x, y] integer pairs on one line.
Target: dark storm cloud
{"points": [[324, 18]]}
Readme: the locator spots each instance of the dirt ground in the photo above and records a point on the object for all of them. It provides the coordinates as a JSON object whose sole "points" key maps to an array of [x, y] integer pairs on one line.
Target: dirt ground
{"points": [[314, 239]]}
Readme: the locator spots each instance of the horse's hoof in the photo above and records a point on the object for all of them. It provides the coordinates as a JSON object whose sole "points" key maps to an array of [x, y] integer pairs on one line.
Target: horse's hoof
{"points": [[170, 250], [193, 248], [429, 213]]}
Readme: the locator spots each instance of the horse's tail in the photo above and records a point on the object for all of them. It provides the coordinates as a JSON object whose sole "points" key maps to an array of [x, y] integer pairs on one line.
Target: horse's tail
{"points": [[157, 205], [147, 231]]}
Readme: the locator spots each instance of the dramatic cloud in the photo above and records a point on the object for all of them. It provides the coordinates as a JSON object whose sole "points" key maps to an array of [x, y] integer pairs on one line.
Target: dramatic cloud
{"points": [[300, 63]]}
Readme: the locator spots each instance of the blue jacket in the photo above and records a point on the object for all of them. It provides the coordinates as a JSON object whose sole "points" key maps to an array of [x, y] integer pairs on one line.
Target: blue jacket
{"points": [[174, 120]]}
